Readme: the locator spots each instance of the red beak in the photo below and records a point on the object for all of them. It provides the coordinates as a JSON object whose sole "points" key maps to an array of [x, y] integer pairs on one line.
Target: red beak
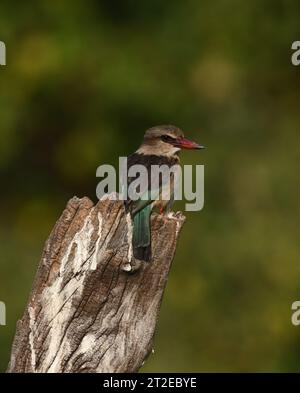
{"points": [[184, 143]]}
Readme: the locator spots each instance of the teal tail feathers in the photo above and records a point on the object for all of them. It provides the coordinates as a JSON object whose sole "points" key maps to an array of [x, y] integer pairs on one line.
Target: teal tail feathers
{"points": [[142, 234]]}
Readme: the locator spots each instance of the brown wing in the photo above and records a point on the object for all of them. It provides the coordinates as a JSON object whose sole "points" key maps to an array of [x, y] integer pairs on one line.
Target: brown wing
{"points": [[147, 161]]}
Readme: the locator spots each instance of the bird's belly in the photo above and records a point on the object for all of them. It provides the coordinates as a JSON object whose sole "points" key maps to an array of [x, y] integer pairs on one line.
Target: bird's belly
{"points": [[165, 199], [161, 204]]}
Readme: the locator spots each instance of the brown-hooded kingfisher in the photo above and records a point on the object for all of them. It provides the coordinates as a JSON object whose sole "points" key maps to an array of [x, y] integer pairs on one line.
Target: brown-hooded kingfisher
{"points": [[160, 146]]}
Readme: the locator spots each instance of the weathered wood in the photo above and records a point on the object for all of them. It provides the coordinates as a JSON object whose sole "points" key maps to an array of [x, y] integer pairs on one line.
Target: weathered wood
{"points": [[93, 308]]}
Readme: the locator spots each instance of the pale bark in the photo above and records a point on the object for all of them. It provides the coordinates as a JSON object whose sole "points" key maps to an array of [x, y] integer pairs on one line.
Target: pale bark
{"points": [[93, 307]]}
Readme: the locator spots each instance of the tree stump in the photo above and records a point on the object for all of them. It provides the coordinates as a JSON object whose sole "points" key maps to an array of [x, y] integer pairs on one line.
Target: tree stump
{"points": [[93, 307]]}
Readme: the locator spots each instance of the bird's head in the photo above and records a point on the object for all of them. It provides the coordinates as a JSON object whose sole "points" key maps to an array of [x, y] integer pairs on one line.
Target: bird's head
{"points": [[166, 140]]}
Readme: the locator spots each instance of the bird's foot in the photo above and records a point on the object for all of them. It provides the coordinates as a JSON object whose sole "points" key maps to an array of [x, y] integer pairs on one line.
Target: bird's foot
{"points": [[161, 211]]}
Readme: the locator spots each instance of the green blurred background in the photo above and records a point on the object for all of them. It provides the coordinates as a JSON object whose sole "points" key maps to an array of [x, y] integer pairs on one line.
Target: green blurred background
{"points": [[84, 80]]}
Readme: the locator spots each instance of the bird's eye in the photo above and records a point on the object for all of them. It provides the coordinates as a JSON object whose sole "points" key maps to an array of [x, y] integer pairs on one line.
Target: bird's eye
{"points": [[167, 139]]}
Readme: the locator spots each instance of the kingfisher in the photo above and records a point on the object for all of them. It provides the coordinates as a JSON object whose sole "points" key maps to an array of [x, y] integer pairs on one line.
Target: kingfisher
{"points": [[161, 146]]}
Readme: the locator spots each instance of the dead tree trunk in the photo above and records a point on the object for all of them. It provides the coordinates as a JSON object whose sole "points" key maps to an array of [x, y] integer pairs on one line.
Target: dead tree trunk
{"points": [[93, 307]]}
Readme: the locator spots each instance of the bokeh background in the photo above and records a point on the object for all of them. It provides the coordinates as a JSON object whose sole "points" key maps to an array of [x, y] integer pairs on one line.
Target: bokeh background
{"points": [[84, 80]]}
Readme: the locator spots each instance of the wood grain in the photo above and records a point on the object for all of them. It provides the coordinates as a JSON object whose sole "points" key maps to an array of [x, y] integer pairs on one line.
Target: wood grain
{"points": [[93, 307]]}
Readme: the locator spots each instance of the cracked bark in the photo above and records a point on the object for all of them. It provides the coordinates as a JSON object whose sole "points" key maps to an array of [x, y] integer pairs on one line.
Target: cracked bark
{"points": [[93, 307]]}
